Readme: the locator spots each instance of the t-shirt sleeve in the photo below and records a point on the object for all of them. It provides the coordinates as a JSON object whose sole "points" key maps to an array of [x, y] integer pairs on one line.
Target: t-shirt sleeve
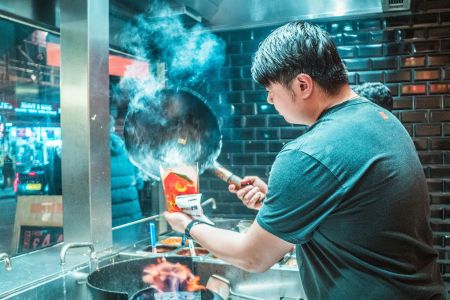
{"points": [[302, 193]]}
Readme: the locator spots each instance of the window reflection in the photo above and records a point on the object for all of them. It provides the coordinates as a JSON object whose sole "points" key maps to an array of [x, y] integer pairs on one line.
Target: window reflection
{"points": [[30, 141]]}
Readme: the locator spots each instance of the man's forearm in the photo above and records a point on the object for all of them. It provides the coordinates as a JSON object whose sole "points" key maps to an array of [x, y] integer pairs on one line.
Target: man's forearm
{"points": [[249, 251], [225, 244]]}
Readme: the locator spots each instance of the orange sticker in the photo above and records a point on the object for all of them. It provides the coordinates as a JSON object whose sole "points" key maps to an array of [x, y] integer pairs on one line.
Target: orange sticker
{"points": [[383, 115]]}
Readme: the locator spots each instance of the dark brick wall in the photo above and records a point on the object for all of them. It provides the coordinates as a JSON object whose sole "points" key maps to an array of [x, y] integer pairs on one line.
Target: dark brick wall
{"points": [[409, 53]]}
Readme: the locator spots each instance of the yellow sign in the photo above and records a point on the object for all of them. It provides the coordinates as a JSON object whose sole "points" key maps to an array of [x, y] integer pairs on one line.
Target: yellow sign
{"points": [[33, 186]]}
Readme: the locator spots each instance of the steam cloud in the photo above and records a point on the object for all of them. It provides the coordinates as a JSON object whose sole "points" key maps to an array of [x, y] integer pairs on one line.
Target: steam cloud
{"points": [[160, 35], [188, 54]]}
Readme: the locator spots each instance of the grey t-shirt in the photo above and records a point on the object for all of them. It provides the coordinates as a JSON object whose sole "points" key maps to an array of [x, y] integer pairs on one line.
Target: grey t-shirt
{"points": [[351, 193]]}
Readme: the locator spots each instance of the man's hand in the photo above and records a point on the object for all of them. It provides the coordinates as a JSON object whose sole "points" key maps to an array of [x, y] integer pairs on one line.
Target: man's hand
{"points": [[252, 192], [177, 220]]}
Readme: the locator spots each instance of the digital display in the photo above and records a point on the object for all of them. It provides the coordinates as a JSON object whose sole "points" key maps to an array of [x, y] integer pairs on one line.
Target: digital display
{"points": [[37, 237]]}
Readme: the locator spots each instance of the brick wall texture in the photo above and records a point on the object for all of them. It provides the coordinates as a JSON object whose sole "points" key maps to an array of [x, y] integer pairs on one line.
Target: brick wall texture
{"points": [[410, 53]]}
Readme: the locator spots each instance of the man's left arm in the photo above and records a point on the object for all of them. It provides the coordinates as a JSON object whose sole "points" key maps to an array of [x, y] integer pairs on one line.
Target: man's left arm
{"points": [[255, 251]]}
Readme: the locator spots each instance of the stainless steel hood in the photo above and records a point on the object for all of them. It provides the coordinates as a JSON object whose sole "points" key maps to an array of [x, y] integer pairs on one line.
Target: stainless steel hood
{"points": [[227, 14], [215, 14]]}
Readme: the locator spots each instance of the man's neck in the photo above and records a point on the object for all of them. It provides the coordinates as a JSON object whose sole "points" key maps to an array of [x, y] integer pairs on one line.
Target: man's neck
{"points": [[345, 94], [326, 101]]}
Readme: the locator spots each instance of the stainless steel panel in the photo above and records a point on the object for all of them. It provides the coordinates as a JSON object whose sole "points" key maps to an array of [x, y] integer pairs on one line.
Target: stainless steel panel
{"points": [[84, 122], [275, 283], [227, 14], [35, 268]]}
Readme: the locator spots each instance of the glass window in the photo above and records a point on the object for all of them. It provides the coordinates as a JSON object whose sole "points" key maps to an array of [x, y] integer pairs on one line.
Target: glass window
{"points": [[30, 140]]}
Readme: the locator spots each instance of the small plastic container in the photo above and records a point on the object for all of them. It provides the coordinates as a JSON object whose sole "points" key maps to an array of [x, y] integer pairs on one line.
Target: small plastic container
{"points": [[199, 251], [172, 241]]}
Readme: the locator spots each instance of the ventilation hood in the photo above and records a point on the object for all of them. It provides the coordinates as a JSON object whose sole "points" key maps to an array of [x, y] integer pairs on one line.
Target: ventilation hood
{"points": [[227, 14]]}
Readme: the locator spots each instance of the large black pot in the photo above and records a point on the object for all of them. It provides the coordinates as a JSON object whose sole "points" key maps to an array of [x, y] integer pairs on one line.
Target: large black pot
{"points": [[123, 280], [172, 126]]}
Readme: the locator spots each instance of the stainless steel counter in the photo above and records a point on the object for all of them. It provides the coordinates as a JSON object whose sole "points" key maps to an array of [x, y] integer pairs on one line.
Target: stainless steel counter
{"points": [[39, 267]]}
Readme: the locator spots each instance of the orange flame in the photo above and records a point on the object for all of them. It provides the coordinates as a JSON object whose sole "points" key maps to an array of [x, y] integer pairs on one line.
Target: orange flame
{"points": [[171, 277], [194, 284]]}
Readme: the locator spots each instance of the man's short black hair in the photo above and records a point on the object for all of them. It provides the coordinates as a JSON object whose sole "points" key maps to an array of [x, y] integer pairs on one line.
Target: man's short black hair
{"points": [[295, 48], [377, 93]]}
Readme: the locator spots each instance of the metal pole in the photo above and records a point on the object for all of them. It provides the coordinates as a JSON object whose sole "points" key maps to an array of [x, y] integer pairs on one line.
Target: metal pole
{"points": [[84, 122]]}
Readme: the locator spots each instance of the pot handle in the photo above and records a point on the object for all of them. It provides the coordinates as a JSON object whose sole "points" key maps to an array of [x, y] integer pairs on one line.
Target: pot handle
{"points": [[226, 175]]}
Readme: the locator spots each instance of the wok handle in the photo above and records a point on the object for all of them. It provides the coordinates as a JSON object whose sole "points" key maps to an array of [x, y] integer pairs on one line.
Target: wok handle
{"points": [[226, 175]]}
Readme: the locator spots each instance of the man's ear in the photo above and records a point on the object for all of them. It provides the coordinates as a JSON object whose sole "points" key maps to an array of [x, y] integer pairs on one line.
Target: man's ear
{"points": [[303, 85]]}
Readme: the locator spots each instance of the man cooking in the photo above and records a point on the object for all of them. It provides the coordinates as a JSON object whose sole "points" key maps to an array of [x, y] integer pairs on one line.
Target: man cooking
{"points": [[350, 192], [254, 190]]}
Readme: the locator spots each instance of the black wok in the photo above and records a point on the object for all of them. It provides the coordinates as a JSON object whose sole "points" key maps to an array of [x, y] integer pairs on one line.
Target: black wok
{"points": [[174, 126]]}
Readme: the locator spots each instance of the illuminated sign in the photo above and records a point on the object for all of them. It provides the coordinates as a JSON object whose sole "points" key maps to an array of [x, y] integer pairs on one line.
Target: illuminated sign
{"points": [[6, 105], [36, 108], [118, 65], [37, 237]]}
